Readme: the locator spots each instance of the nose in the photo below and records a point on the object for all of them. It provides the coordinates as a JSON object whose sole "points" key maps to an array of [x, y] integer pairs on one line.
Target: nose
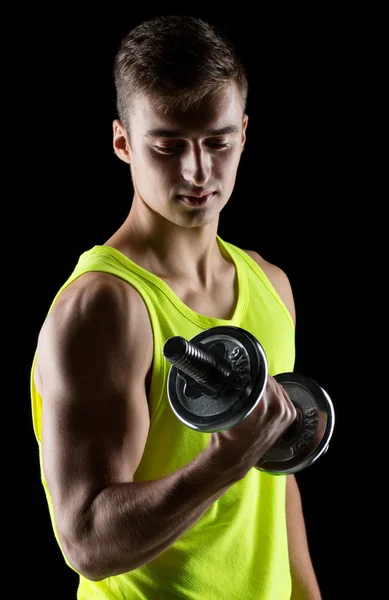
{"points": [[196, 166]]}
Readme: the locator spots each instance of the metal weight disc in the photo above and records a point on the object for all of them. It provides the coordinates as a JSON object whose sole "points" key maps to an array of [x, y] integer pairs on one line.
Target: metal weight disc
{"points": [[308, 438], [203, 410]]}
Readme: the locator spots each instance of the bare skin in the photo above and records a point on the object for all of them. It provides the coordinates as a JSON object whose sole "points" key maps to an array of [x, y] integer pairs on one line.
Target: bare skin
{"points": [[95, 357]]}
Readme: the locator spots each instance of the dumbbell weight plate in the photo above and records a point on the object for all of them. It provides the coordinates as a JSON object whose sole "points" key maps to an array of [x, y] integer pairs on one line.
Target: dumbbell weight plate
{"points": [[205, 411], [308, 438]]}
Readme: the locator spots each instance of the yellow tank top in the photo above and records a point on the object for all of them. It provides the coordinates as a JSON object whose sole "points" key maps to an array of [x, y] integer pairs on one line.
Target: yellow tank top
{"points": [[238, 548]]}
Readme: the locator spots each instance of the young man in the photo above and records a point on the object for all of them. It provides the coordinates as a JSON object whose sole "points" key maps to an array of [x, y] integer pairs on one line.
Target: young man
{"points": [[141, 505]]}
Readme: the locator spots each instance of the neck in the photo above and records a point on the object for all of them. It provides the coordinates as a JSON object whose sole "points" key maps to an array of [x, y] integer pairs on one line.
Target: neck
{"points": [[167, 249]]}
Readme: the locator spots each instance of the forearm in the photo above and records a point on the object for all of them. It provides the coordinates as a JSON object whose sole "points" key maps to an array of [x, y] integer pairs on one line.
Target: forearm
{"points": [[304, 582], [130, 524]]}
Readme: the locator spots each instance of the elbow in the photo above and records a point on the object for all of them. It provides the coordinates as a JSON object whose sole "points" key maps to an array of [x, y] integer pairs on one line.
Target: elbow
{"points": [[87, 568], [91, 554], [82, 553], [91, 558], [83, 561], [92, 568], [86, 573], [93, 565]]}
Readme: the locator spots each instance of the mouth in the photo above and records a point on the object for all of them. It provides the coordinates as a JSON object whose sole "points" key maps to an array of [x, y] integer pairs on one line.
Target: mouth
{"points": [[195, 201]]}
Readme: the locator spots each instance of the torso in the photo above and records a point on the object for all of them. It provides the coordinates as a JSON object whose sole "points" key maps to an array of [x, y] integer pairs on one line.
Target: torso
{"points": [[218, 300]]}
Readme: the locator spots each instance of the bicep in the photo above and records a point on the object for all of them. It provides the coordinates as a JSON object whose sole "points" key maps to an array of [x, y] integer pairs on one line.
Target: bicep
{"points": [[94, 357]]}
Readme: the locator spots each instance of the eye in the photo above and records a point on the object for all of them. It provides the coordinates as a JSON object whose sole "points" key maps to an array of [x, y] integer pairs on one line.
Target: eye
{"points": [[167, 149], [218, 146], [177, 147]]}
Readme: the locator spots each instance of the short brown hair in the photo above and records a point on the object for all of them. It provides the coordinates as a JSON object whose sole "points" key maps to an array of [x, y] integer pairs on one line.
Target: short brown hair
{"points": [[177, 59]]}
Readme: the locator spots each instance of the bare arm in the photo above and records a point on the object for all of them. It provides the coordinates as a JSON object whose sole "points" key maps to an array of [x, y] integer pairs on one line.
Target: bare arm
{"points": [[304, 582], [94, 352]]}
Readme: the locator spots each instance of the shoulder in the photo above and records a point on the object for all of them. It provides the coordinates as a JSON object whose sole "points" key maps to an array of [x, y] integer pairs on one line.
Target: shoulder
{"points": [[95, 298], [279, 280], [94, 293], [96, 312]]}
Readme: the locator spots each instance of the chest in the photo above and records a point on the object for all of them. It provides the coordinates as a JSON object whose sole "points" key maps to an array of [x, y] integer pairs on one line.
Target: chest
{"points": [[218, 300]]}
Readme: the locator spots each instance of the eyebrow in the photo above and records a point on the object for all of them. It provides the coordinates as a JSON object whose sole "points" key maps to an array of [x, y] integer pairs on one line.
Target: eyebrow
{"points": [[166, 133]]}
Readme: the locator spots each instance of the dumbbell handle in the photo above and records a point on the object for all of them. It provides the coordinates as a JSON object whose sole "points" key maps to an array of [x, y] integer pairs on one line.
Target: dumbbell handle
{"points": [[198, 364], [207, 371]]}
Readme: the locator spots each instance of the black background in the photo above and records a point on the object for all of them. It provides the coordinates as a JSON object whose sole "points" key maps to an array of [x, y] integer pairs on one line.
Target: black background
{"points": [[292, 203]]}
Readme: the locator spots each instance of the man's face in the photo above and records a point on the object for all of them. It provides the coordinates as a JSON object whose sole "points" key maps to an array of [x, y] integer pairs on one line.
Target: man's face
{"points": [[177, 156]]}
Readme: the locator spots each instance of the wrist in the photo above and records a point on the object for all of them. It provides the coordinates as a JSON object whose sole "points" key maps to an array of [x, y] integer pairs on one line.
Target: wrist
{"points": [[222, 463]]}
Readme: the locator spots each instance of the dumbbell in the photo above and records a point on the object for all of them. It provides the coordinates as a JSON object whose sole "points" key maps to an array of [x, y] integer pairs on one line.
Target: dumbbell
{"points": [[217, 378]]}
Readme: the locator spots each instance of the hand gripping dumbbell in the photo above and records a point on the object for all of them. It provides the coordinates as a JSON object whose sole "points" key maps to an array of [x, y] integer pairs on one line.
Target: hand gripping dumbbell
{"points": [[217, 378]]}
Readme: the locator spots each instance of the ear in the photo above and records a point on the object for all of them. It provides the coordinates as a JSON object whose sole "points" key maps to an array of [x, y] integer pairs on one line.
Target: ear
{"points": [[121, 144], [244, 127]]}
